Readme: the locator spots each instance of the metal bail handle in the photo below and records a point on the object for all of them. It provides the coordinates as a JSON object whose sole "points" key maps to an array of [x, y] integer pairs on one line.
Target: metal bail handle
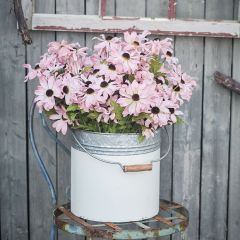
{"points": [[128, 168]]}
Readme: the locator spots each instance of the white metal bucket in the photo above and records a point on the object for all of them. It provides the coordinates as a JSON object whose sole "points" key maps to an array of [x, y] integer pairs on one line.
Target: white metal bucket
{"points": [[102, 191]]}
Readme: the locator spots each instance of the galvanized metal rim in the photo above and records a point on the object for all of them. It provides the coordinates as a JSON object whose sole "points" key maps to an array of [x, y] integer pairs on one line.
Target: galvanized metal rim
{"points": [[110, 134]]}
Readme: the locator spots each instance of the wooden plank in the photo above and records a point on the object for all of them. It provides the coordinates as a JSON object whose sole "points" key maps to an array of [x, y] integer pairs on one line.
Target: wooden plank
{"points": [[13, 150], [130, 8], [39, 196], [187, 136], [161, 26], [156, 9], [216, 122], [234, 178], [63, 160], [28, 9]]}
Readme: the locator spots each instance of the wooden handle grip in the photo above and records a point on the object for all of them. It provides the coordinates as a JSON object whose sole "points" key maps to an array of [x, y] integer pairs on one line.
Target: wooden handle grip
{"points": [[137, 168]]}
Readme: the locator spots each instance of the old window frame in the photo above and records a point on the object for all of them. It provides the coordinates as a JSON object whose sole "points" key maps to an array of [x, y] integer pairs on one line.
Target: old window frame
{"points": [[117, 24]]}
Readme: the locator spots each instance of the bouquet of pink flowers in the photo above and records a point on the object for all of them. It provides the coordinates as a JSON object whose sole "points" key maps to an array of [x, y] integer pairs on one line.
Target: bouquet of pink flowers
{"points": [[129, 85]]}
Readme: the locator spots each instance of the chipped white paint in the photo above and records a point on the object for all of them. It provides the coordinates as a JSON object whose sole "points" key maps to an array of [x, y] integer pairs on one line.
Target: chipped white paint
{"points": [[93, 23]]}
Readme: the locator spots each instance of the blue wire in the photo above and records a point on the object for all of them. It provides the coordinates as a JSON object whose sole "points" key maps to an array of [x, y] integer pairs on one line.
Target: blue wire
{"points": [[37, 155]]}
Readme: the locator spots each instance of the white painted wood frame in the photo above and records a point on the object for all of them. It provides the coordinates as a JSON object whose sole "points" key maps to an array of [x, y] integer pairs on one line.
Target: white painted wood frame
{"points": [[117, 24]]}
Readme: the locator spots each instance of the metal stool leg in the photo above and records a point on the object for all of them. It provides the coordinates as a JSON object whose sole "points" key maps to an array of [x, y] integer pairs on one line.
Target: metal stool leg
{"points": [[53, 232]]}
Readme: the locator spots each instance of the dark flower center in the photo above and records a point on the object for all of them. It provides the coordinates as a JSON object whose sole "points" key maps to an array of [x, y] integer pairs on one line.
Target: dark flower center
{"points": [[169, 54], [158, 81], [155, 110], [66, 89], [172, 110], [126, 56], [156, 39], [125, 77], [136, 43], [90, 91], [135, 97], [87, 83], [104, 84], [176, 88], [95, 71], [108, 38], [142, 54], [49, 92], [182, 81], [112, 67], [37, 66]]}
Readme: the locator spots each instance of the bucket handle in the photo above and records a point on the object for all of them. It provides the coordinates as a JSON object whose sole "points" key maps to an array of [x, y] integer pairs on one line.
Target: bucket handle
{"points": [[128, 168]]}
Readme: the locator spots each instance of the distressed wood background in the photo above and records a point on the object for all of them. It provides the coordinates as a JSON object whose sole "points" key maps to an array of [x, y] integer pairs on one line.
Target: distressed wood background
{"points": [[203, 169]]}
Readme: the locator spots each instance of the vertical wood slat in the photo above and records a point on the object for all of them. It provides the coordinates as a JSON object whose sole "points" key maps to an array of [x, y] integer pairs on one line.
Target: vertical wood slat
{"points": [[216, 122], [63, 160], [156, 8], [234, 178], [13, 145], [234, 172], [159, 8], [40, 203], [215, 136], [187, 137]]}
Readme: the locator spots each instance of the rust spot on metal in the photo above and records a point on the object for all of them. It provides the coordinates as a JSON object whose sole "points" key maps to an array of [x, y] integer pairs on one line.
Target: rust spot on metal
{"points": [[113, 226], [100, 231], [164, 220], [90, 230]]}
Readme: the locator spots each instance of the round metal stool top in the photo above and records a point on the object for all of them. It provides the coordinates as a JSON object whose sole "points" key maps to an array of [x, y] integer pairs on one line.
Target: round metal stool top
{"points": [[172, 218]]}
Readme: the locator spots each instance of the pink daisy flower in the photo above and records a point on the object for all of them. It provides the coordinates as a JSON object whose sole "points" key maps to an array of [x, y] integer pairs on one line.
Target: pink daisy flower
{"points": [[32, 73], [46, 93], [108, 70], [70, 88], [106, 44], [105, 87], [136, 98], [125, 61], [61, 120], [159, 113]]}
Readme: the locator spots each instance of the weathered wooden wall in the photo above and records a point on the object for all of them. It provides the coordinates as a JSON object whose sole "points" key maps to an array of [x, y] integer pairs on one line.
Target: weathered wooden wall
{"points": [[203, 169]]}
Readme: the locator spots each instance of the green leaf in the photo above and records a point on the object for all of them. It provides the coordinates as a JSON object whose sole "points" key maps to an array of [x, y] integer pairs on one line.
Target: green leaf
{"points": [[72, 108], [141, 116], [141, 138], [117, 109], [179, 120], [72, 115], [131, 77], [155, 65], [86, 69], [50, 112], [93, 115]]}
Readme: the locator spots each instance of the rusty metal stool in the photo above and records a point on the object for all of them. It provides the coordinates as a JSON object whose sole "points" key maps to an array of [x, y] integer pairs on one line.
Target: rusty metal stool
{"points": [[172, 218]]}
